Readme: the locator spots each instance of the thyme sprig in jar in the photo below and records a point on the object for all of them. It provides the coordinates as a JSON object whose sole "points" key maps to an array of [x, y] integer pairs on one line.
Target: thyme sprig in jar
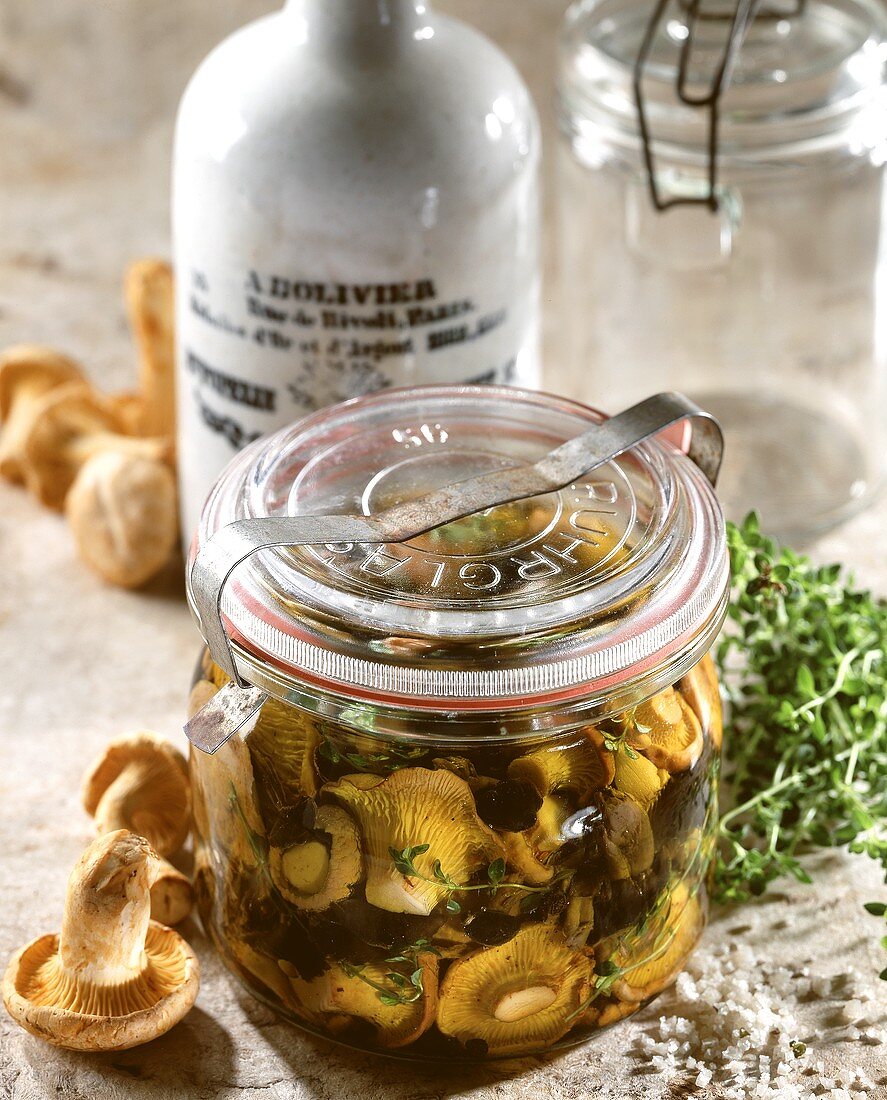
{"points": [[475, 814]]}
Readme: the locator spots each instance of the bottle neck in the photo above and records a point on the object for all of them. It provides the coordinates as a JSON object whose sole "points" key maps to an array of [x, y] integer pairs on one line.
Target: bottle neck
{"points": [[359, 30]]}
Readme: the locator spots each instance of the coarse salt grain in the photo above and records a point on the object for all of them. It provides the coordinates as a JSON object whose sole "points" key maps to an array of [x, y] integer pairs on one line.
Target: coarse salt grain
{"points": [[740, 1034]]}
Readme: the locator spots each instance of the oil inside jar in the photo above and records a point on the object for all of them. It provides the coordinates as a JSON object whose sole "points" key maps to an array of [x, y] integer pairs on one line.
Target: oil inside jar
{"points": [[488, 902]]}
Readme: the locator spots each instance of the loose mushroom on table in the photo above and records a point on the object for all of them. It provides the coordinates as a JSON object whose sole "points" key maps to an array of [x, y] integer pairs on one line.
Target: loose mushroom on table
{"points": [[141, 783], [113, 978]]}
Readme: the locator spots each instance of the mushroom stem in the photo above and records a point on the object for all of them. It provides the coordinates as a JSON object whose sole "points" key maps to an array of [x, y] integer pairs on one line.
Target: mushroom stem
{"points": [[172, 895], [27, 399], [150, 289], [107, 911], [521, 1003], [123, 803], [86, 446]]}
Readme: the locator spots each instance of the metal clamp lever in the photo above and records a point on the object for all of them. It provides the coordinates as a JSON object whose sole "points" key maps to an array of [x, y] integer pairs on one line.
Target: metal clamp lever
{"points": [[229, 547]]}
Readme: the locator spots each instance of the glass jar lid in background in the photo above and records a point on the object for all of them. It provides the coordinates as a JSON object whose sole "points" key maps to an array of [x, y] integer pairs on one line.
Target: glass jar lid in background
{"points": [[546, 608], [801, 78]]}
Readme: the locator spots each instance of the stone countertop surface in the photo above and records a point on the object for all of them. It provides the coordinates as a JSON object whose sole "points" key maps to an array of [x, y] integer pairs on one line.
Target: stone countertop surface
{"points": [[87, 94]]}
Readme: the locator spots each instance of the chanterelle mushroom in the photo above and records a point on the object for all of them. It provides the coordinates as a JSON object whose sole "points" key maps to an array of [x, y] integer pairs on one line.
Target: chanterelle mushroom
{"points": [[150, 288], [398, 1018], [666, 729], [580, 765], [700, 689], [518, 997], [530, 852], [67, 427], [282, 745], [141, 783], [113, 978], [321, 868], [414, 807], [225, 799], [27, 373], [628, 842], [638, 777], [651, 962], [122, 512], [172, 894]]}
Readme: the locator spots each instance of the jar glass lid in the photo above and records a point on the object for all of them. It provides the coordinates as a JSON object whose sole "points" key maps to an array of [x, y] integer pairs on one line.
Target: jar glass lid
{"points": [[620, 576], [798, 75]]}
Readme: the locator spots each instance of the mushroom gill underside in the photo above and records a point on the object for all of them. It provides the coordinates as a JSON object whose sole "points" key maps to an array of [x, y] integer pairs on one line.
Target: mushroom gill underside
{"points": [[416, 807], [43, 980], [521, 995], [143, 800]]}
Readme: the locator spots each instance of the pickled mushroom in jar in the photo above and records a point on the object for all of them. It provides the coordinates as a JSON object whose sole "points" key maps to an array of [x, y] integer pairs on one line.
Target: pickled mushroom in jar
{"points": [[226, 805], [637, 777], [323, 866], [261, 969], [580, 767], [700, 689], [518, 996], [605, 1013], [414, 808], [530, 852], [647, 965], [578, 920], [282, 745], [666, 730], [399, 1011], [628, 838]]}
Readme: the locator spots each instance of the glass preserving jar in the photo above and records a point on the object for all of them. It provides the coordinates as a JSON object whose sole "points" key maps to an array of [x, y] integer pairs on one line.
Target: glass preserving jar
{"points": [[770, 310], [475, 814]]}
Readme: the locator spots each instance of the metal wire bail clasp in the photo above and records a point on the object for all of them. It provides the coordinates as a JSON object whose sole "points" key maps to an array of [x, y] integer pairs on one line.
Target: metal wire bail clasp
{"points": [[737, 17], [229, 547]]}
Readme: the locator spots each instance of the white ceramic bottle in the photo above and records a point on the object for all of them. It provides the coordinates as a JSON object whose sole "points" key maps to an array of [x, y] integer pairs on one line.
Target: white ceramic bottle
{"points": [[355, 207]]}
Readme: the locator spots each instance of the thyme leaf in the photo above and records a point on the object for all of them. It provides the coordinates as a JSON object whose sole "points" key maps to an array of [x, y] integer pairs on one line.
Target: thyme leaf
{"points": [[404, 863], [395, 757], [618, 742], [804, 667], [399, 988]]}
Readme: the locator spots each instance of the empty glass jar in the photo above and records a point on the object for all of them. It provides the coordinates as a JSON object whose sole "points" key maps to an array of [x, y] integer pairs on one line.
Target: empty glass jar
{"points": [[770, 311], [475, 815]]}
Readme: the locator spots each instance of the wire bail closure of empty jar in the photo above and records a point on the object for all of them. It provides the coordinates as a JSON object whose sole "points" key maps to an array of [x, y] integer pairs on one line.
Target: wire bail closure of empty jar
{"points": [[736, 16]]}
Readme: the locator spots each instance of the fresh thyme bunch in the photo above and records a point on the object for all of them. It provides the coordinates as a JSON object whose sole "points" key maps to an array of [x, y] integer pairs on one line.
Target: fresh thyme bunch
{"points": [[804, 665]]}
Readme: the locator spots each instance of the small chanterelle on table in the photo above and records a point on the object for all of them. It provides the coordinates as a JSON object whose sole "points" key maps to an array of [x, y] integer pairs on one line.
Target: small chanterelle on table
{"points": [[112, 978], [106, 460]]}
